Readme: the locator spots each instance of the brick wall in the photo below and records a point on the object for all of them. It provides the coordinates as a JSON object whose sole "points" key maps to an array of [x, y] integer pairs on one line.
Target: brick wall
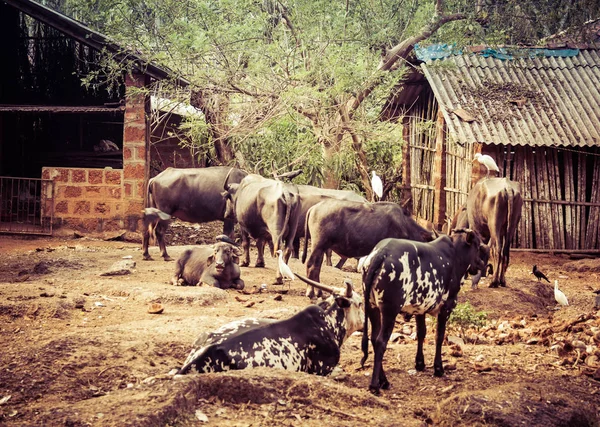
{"points": [[97, 200], [87, 199]]}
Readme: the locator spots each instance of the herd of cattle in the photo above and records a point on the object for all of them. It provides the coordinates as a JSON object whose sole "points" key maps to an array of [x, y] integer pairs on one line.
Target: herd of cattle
{"points": [[405, 267]]}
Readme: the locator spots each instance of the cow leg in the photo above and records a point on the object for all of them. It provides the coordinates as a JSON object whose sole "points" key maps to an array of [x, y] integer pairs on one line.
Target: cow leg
{"points": [[341, 262], [238, 284], [246, 249], [160, 236], [379, 380], [228, 226], [296, 253], [145, 243], [328, 261], [421, 332], [260, 247], [313, 271], [438, 367]]}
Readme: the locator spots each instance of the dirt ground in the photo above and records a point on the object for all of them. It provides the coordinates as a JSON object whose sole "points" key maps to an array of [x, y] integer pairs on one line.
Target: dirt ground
{"points": [[81, 349]]}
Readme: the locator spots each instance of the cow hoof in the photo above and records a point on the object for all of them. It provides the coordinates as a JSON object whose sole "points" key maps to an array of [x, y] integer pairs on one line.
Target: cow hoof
{"points": [[260, 264], [385, 385], [148, 258], [244, 264], [168, 258], [374, 390], [420, 366], [239, 286], [438, 373], [493, 285]]}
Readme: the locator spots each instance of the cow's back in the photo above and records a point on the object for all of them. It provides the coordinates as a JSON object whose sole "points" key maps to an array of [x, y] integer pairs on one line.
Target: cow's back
{"points": [[194, 263], [193, 194]]}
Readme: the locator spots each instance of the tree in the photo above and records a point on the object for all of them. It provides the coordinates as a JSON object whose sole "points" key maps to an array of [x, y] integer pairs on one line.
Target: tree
{"points": [[258, 68]]}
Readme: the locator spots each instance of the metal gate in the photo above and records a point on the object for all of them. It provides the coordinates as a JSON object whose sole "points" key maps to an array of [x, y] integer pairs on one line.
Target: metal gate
{"points": [[26, 205]]}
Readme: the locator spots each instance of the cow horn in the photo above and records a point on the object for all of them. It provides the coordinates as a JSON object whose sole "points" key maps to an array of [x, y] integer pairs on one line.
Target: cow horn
{"points": [[326, 288], [227, 179], [349, 289]]}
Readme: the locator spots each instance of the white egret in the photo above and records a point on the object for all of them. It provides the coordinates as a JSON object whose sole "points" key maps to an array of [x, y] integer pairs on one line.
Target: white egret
{"points": [[284, 269], [488, 162], [559, 296], [377, 185]]}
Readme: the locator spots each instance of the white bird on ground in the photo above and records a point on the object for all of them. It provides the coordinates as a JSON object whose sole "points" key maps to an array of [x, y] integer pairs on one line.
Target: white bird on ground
{"points": [[284, 269], [559, 296], [377, 185], [488, 162]]}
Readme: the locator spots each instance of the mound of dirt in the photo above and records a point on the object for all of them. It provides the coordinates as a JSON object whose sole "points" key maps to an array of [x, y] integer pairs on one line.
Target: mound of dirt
{"points": [[583, 265]]}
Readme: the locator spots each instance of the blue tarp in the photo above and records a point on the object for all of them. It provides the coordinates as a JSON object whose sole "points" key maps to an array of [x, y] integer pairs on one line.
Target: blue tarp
{"points": [[443, 50]]}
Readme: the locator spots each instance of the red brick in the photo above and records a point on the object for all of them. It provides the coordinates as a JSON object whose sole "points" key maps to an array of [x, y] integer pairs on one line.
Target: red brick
{"points": [[102, 208], [45, 174], [90, 224], [113, 177], [82, 208], [140, 152], [127, 153], [114, 193], [111, 225], [135, 208], [134, 171], [62, 207], [140, 189], [134, 80], [73, 191], [63, 175], [93, 191], [134, 133], [128, 189], [95, 176], [78, 176]]}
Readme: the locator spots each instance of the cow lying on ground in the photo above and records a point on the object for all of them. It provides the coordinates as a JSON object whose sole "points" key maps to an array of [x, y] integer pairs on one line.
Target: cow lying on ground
{"points": [[265, 208], [215, 265], [494, 210], [192, 195], [309, 341], [414, 278], [156, 223], [352, 229]]}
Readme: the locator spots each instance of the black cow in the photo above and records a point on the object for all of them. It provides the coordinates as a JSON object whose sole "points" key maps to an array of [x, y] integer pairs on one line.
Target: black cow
{"points": [[414, 278], [352, 229], [265, 209], [192, 195], [310, 196], [309, 341], [215, 265]]}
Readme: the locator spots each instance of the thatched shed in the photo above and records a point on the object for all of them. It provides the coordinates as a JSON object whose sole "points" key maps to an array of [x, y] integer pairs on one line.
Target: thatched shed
{"points": [[535, 111]]}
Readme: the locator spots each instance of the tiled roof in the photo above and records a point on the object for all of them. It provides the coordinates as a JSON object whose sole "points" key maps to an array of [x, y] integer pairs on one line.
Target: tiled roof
{"points": [[553, 101]]}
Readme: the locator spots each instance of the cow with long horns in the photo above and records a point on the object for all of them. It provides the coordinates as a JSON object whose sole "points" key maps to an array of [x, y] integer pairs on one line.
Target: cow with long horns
{"points": [[308, 342]]}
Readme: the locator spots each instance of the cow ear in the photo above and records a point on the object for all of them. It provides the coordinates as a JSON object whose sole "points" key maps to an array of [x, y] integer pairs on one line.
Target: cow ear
{"points": [[226, 195], [470, 236], [232, 188], [342, 302], [211, 258]]}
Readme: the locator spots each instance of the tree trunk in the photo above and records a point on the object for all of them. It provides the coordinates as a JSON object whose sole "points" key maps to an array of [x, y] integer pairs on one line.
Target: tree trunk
{"points": [[215, 107]]}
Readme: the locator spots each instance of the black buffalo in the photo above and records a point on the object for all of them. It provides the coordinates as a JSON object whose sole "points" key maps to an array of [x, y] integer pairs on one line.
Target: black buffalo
{"points": [[192, 195], [309, 341], [215, 265], [352, 229], [414, 278], [265, 209]]}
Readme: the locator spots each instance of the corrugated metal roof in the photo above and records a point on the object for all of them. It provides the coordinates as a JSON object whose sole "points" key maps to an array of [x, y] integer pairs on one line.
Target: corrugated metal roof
{"points": [[553, 101]]}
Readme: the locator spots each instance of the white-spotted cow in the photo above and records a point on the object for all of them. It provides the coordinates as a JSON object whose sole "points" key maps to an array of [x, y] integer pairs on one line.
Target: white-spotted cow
{"points": [[414, 278], [308, 342]]}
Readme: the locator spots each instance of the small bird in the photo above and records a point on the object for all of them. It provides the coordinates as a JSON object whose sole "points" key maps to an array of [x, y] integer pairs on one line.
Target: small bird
{"points": [[559, 296], [488, 162], [377, 185], [537, 273], [284, 269]]}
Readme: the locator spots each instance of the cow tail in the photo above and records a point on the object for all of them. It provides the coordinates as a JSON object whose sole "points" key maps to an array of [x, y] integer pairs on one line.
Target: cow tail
{"points": [[287, 200], [368, 287], [150, 200], [507, 240], [306, 236]]}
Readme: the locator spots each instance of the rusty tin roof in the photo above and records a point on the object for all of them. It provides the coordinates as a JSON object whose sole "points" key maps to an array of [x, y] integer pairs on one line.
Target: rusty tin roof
{"points": [[535, 101]]}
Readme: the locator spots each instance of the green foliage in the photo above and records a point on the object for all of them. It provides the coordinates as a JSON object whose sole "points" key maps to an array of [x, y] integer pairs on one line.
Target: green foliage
{"points": [[465, 316]]}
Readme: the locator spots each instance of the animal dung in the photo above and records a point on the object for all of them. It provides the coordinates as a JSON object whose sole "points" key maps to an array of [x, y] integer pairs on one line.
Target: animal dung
{"points": [[156, 308]]}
